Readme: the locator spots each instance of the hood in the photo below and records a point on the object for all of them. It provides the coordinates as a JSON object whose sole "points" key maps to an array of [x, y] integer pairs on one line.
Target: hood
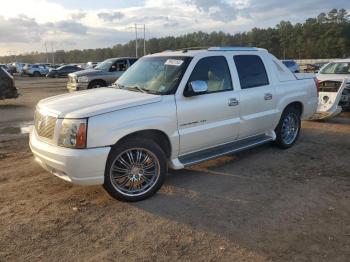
{"points": [[94, 102], [89, 72]]}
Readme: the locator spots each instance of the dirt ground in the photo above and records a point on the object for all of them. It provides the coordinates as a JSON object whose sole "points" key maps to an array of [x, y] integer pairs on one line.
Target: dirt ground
{"points": [[265, 204]]}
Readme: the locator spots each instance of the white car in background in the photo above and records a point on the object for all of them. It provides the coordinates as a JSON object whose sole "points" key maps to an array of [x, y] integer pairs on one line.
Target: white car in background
{"points": [[337, 71]]}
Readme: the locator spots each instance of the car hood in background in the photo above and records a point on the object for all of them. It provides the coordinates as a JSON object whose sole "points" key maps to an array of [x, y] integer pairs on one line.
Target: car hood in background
{"points": [[94, 102], [90, 72]]}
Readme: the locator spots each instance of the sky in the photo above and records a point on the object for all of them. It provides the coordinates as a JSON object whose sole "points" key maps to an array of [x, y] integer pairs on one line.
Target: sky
{"points": [[26, 25]]}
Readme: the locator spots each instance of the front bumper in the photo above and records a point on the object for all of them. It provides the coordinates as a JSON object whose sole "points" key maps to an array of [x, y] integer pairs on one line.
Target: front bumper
{"points": [[76, 86], [78, 166]]}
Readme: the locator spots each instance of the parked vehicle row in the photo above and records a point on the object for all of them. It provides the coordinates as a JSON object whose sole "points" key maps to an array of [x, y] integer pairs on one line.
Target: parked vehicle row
{"points": [[171, 109]]}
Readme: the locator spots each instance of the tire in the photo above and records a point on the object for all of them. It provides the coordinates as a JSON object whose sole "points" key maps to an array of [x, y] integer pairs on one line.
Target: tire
{"points": [[132, 184], [36, 74], [288, 128], [96, 84]]}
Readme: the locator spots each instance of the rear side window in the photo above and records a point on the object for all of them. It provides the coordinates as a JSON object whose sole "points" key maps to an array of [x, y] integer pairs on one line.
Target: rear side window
{"points": [[251, 71], [215, 72]]}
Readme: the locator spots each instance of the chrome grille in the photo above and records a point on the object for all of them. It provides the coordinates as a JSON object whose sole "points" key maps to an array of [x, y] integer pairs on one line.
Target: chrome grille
{"points": [[45, 125]]}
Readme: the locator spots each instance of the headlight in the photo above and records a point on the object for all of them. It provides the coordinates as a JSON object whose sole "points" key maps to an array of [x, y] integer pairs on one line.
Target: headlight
{"points": [[83, 79], [73, 133]]}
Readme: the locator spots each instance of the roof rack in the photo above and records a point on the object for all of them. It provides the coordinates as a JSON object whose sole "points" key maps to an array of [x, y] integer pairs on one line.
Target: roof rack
{"points": [[232, 48]]}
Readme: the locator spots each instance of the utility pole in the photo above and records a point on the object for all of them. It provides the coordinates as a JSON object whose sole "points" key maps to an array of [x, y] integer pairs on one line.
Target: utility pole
{"points": [[53, 54], [47, 56], [137, 27], [144, 39], [136, 46]]}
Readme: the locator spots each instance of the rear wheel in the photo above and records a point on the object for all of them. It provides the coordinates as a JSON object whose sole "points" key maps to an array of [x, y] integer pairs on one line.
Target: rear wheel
{"points": [[288, 129], [135, 170], [36, 74]]}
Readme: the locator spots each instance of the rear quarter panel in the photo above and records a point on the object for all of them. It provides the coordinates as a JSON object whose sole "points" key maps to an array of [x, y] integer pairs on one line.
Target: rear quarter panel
{"points": [[303, 91]]}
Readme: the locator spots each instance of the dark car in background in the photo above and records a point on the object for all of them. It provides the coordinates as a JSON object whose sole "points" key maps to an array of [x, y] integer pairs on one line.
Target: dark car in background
{"points": [[7, 85], [63, 71], [6, 68]]}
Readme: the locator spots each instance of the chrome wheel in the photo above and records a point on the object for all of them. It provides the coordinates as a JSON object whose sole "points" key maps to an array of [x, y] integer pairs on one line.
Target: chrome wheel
{"points": [[290, 128], [134, 172]]}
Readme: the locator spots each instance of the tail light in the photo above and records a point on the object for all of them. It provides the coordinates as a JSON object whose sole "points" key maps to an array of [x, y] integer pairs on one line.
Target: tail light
{"points": [[317, 84]]}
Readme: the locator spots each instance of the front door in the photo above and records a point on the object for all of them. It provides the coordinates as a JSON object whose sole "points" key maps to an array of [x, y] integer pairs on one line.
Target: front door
{"points": [[212, 118]]}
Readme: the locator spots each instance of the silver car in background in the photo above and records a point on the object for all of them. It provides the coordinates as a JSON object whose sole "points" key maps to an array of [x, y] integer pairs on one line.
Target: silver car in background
{"points": [[104, 74]]}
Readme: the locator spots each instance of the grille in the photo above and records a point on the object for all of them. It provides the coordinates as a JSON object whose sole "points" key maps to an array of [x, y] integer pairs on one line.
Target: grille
{"points": [[45, 125]]}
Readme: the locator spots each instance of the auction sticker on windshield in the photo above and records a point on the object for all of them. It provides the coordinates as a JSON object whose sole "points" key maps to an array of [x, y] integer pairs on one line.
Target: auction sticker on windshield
{"points": [[173, 62]]}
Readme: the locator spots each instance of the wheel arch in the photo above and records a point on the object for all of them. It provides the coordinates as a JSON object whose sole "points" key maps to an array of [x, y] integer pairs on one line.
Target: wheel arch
{"points": [[297, 105], [158, 136], [97, 80]]}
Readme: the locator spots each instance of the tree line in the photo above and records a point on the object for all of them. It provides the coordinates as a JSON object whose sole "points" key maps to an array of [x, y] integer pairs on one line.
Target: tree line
{"points": [[325, 36]]}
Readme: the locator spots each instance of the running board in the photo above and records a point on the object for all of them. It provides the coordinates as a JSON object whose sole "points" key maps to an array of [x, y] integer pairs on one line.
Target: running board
{"points": [[222, 150]]}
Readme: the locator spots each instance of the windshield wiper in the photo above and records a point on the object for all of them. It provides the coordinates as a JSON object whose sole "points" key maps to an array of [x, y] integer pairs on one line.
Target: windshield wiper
{"points": [[136, 88], [140, 89]]}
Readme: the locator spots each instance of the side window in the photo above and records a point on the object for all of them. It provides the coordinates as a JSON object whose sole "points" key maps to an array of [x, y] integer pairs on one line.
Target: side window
{"points": [[251, 71], [121, 65], [213, 70]]}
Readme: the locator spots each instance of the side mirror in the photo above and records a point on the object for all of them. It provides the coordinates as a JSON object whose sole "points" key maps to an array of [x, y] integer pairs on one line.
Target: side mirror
{"points": [[197, 87], [113, 68]]}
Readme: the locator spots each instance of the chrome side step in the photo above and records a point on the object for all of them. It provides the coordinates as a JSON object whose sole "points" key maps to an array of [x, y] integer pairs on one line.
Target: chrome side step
{"points": [[234, 147]]}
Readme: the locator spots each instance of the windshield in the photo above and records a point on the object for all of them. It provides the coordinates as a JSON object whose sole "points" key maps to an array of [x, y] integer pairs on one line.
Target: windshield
{"points": [[336, 68], [156, 75], [105, 65]]}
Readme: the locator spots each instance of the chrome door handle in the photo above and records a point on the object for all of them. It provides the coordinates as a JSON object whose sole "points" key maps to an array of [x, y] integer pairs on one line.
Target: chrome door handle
{"points": [[268, 96], [233, 102]]}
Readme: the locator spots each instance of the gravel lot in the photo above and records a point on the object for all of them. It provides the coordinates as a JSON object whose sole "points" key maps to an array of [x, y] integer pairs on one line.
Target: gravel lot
{"points": [[261, 205]]}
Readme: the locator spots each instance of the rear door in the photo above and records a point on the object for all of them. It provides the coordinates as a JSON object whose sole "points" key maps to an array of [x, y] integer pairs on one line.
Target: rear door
{"points": [[211, 118], [257, 97]]}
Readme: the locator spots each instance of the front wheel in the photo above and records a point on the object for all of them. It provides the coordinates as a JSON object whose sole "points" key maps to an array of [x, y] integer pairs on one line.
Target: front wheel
{"points": [[288, 129], [135, 170]]}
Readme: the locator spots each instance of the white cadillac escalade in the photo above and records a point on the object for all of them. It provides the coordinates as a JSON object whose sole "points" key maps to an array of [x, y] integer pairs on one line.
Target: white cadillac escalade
{"points": [[171, 109]]}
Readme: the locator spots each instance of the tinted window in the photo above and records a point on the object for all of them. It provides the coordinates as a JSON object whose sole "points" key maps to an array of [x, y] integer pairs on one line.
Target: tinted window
{"points": [[132, 61], [251, 71], [213, 70], [121, 65]]}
